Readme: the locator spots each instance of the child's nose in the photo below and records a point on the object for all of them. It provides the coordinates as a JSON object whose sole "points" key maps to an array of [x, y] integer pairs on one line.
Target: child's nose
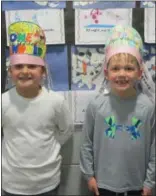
{"points": [[25, 69], [122, 72]]}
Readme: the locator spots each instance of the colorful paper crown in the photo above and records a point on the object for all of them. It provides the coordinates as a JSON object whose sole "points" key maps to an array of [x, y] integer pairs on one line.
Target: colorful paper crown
{"points": [[27, 43], [124, 39]]}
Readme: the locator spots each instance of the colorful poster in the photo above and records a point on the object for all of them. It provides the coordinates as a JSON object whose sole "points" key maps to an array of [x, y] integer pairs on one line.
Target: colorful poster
{"points": [[147, 4], [87, 67], [58, 72], [54, 29], [149, 24], [80, 100], [92, 25], [103, 5], [150, 58], [25, 5]]}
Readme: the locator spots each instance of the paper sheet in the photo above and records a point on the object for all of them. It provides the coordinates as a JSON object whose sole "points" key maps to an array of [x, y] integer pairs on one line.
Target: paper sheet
{"points": [[92, 25], [149, 24], [53, 28]]}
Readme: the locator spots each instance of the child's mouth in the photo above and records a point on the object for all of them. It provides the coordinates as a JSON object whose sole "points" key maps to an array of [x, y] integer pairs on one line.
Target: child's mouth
{"points": [[122, 82], [25, 79]]}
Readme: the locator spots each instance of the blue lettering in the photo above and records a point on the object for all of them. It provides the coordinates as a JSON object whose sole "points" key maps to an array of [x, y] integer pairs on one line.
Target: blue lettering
{"points": [[13, 37], [14, 48]]}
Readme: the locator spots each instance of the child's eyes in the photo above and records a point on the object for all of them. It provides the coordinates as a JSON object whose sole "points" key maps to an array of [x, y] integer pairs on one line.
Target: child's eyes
{"points": [[129, 68], [18, 66], [22, 66], [32, 66], [115, 68], [125, 68]]}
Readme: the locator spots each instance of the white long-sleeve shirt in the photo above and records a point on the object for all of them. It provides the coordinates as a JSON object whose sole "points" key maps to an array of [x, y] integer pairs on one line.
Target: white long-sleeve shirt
{"points": [[31, 157]]}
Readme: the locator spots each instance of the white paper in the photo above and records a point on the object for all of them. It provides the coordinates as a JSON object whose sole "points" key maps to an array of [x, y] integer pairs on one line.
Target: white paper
{"points": [[149, 24], [92, 25], [50, 20], [80, 100]]}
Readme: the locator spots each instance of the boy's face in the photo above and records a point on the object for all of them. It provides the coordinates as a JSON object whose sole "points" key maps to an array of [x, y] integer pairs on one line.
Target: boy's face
{"points": [[26, 76], [122, 74]]}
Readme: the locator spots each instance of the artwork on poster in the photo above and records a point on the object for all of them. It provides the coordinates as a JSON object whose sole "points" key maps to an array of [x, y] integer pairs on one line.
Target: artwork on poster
{"points": [[58, 72], [80, 100], [37, 4], [103, 4], [87, 67], [54, 29], [150, 58], [149, 25], [148, 4], [92, 25]]}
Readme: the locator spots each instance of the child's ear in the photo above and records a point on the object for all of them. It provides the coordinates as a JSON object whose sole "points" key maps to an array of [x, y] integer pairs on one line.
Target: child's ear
{"points": [[9, 71], [140, 74], [106, 73], [44, 71]]}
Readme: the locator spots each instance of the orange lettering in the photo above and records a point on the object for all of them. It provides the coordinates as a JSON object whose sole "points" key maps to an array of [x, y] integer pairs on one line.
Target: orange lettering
{"points": [[21, 49], [28, 38]]}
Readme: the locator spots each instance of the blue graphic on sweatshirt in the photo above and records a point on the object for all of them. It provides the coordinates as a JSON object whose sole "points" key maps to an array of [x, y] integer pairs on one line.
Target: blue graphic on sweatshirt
{"points": [[131, 129]]}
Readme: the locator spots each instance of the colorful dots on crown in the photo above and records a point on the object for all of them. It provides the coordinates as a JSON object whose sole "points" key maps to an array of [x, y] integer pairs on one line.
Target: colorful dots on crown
{"points": [[26, 38]]}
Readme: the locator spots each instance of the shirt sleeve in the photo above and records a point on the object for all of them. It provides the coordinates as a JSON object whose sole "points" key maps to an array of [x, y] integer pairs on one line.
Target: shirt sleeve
{"points": [[150, 173], [86, 151], [64, 123]]}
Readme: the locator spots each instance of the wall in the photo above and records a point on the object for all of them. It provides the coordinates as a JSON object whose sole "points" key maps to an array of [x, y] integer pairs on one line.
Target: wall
{"points": [[72, 182]]}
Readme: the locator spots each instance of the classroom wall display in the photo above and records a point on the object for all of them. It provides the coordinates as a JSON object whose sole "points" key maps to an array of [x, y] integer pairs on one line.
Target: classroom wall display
{"points": [[87, 67], [54, 29], [149, 24], [147, 4], [150, 58], [58, 72], [92, 25], [103, 5], [25, 5]]}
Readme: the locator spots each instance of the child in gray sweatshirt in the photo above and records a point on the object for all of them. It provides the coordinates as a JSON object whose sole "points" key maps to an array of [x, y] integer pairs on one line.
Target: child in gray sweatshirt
{"points": [[117, 156]]}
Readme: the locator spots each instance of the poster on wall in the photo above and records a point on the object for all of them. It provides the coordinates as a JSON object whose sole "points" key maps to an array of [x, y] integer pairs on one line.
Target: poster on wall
{"points": [[87, 67], [58, 72], [92, 25], [54, 29], [147, 4], [103, 5], [150, 58], [25, 5], [149, 24], [80, 100]]}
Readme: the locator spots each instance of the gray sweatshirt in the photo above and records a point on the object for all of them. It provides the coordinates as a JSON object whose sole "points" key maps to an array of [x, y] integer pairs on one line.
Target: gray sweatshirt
{"points": [[119, 142]]}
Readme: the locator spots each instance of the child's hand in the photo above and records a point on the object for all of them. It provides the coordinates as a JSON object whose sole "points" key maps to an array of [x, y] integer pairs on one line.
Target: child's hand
{"points": [[92, 185], [147, 192]]}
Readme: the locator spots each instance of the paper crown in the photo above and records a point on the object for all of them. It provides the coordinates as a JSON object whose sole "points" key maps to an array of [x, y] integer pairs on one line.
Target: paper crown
{"points": [[27, 43], [124, 39]]}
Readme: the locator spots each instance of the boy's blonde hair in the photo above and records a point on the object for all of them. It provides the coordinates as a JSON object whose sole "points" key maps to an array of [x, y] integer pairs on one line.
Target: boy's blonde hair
{"points": [[124, 58]]}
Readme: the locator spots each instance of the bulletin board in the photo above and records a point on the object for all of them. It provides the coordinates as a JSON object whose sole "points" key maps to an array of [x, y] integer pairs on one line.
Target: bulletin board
{"points": [[65, 57]]}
